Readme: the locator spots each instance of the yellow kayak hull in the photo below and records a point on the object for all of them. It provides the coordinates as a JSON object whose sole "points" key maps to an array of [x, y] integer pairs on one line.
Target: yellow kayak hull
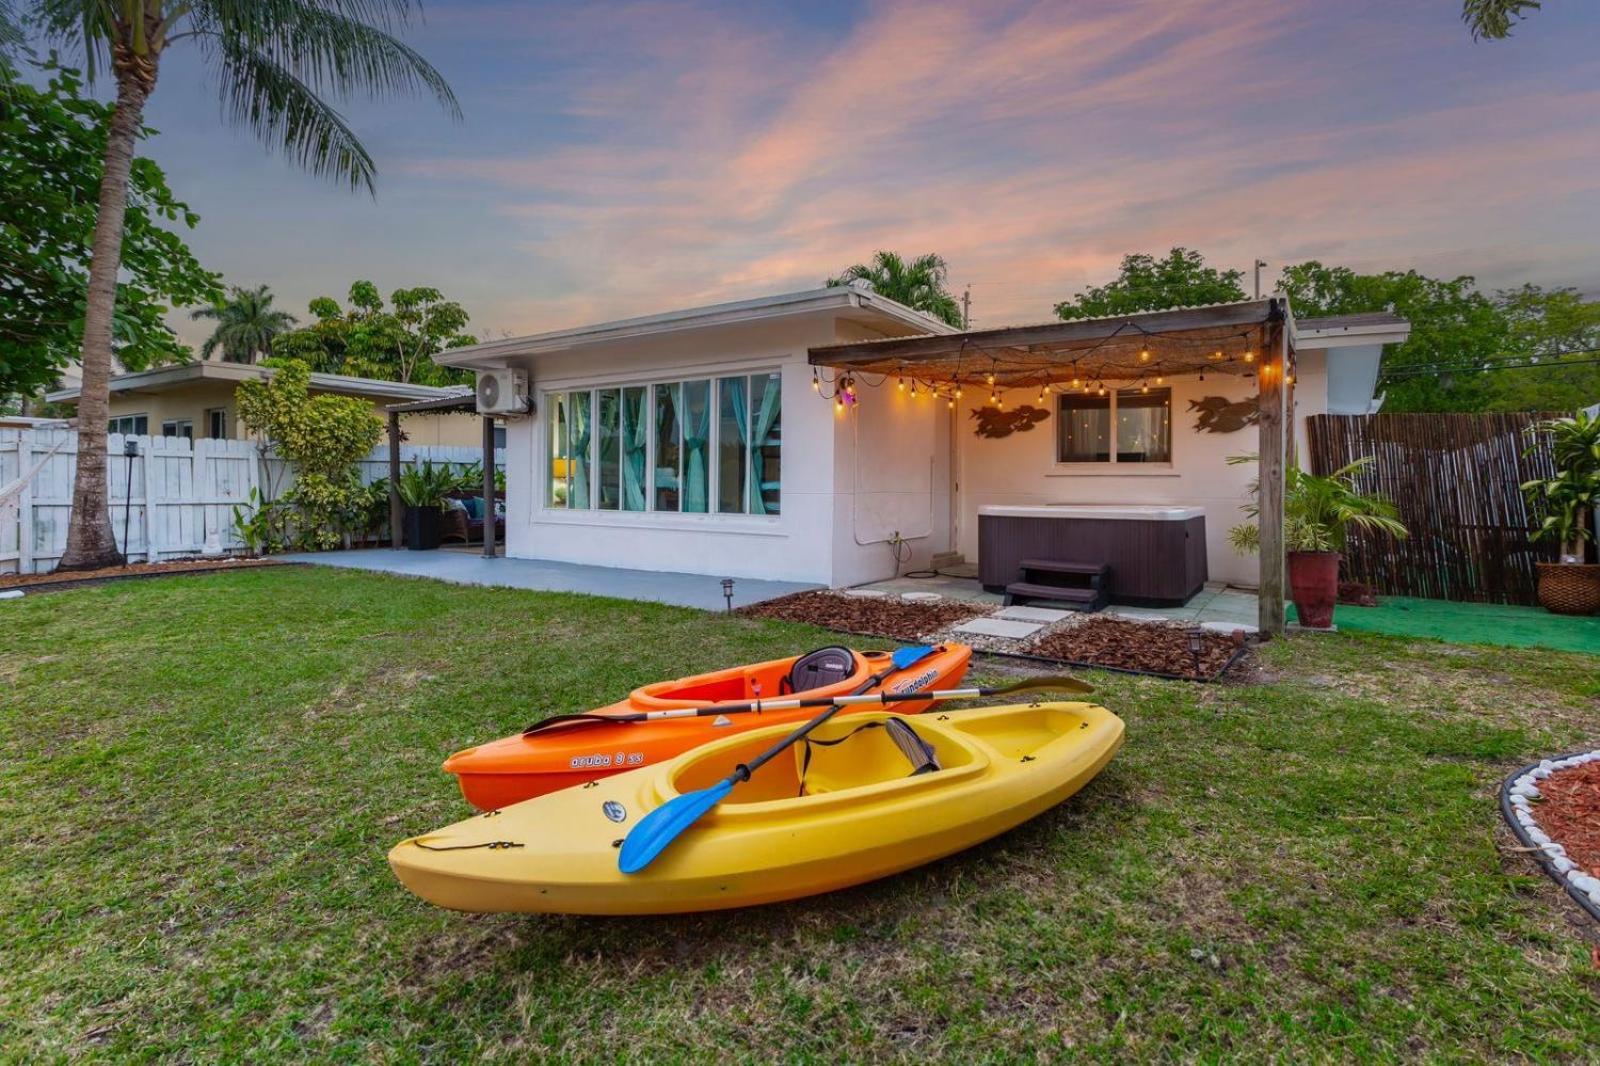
{"points": [[861, 817]]}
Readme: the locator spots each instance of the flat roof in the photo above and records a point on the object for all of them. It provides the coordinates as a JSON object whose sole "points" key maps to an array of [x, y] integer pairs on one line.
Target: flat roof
{"points": [[165, 377], [829, 298]]}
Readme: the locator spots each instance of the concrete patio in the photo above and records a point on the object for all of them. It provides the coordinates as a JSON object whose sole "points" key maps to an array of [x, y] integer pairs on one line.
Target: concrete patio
{"points": [[472, 568], [1216, 606]]}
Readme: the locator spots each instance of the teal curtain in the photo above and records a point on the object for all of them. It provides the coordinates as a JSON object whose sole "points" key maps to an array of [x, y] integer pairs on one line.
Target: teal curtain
{"points": [[696, 431], [635, 437], [766, 417], [734, 468], [581, 431]]}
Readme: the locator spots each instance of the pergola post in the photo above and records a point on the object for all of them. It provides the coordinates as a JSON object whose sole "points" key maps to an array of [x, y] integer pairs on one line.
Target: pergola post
{"points": [[396, 513], [1272, 450], [488, 487]]}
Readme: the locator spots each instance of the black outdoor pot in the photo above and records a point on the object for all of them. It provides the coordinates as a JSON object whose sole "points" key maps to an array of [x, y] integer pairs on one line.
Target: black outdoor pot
{"points": [[424, 528]]}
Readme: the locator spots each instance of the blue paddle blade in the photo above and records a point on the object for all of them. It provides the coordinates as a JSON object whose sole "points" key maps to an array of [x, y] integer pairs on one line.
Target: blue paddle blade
{"points": [[905, 657], [661, 826]]}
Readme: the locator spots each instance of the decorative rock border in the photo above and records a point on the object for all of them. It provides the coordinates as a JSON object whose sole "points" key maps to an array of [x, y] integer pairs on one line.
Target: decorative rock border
{"points": [[1517, 795]]}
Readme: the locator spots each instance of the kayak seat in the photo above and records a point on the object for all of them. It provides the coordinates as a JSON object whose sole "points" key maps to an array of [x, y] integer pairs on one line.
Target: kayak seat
{"points": [[869, 760], [821, 669]]}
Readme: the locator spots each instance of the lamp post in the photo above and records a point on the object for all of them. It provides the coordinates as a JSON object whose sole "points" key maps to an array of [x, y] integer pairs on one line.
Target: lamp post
{"points": [[727, 593], [1197, 645], [130, 452]]}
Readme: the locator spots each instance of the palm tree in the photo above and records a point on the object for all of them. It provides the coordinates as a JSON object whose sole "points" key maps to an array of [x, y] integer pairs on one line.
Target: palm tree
{"points": [[919, 284], [274, 62], [246, 323], [1491, 20]]}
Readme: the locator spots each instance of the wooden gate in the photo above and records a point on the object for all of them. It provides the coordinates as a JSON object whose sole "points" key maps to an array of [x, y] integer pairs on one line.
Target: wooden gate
{"points": [[1456, 479]]}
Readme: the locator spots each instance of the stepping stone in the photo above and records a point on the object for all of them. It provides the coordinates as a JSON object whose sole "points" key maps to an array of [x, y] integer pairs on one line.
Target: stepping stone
{"points": [[1227, 628], [865, 594], [921, 597], [999, 627], [1032, 614]]}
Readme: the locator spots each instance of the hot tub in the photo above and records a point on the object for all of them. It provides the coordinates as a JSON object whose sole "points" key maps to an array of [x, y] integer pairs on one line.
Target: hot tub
{"points": [[1157, 552]]}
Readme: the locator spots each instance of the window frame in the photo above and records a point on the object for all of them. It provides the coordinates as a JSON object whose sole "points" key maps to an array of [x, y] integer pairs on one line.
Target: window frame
{"points": [[213, 413], [177, 425], [1112, 462], [111, 424], [651, 514]]}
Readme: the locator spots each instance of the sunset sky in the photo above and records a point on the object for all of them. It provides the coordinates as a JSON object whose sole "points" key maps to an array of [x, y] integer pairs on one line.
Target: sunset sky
{"points": [[624, 159]]}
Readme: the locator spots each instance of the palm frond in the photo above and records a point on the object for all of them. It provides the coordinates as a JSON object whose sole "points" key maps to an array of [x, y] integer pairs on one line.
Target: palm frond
{"points": [[332, 46], [1493, 19], [283, 110]]}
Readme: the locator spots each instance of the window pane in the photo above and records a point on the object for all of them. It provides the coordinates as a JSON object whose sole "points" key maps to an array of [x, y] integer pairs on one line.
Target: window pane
{"points": [[1084, 429], [141, 425], [559, 472], [667, 450], [610, 450], [635, 439], [733, 420], [1144, 433], [696, 446], [766, 433], [580, 439]]}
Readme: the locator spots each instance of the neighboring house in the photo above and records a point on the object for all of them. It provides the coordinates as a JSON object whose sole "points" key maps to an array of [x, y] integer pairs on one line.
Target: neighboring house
{"points": [[197, 400], [696, 441]]}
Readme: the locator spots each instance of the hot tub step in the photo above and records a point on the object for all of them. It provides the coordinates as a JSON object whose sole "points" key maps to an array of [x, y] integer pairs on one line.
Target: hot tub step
{"points": [[1080, 599], [1057, 566]]}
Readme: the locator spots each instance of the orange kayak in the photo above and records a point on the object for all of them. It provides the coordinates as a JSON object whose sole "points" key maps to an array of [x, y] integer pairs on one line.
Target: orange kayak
{"points": [[575, 749]]}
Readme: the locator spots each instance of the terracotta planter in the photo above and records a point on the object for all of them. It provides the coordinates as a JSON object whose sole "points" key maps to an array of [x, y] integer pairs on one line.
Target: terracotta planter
{"points": [[1314, 587], [1569, 588]]}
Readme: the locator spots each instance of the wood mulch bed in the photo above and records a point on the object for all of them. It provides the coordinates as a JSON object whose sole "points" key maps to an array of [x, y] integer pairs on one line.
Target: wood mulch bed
{"points": [[866, 615], [1570, 813], [114, 573], [1143, 647]]}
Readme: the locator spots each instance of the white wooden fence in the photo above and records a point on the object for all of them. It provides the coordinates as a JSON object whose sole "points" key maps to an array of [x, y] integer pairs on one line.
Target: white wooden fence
{"points": [[170, 497]]}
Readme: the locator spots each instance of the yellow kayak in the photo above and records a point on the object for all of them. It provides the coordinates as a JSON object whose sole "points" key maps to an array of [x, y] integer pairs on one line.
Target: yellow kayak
{"points": [[850, 806]]}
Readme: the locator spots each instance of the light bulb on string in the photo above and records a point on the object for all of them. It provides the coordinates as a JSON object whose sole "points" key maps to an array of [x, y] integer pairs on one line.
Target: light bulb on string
{"points": [[1249, 356], [816, 383], [951, 404], [902, 384], [1161, 380], [989, 378], [1144, 355]]}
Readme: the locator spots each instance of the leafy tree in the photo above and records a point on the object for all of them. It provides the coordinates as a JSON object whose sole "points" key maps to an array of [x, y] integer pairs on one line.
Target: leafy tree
{"points": [[1491, 20], [919, 284], [52, 140], [1146, 283], [273, 61], [394, 343], [324, 437], [246, 323], [1452, 325], [1562, 330]]}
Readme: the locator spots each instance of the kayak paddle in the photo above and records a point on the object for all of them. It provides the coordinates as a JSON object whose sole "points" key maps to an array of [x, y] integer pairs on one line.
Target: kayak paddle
{"points": [[663, 825], [900, 660]]}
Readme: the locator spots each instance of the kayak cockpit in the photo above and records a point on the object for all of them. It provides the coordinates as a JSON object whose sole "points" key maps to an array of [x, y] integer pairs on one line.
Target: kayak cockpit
{"points": [[831, 668], [840, 761]]}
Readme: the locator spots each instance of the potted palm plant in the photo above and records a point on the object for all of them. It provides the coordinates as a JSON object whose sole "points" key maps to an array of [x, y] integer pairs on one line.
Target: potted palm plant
{"points": [[1569, 585], [1319, 510], [423, 490]]}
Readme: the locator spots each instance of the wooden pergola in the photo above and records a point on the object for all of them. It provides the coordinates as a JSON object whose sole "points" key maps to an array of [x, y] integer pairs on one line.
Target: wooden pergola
{"points": [[1252, 339], [466, 402]]}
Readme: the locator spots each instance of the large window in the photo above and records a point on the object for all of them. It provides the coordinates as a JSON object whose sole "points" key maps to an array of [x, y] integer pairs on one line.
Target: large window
{"points": [[700, 446], [1131, 426]]}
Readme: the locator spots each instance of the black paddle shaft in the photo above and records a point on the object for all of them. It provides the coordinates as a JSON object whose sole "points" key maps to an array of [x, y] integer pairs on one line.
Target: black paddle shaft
{"points": [[743, 771]]}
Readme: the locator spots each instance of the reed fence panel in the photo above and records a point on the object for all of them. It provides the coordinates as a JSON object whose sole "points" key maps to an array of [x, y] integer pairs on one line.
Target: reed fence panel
{"points": [[1457, 481]]}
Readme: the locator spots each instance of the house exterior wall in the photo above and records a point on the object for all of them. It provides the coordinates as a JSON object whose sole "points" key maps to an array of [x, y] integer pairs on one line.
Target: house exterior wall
{"points": [[796, 544], [1021, 468], [192, 401]]}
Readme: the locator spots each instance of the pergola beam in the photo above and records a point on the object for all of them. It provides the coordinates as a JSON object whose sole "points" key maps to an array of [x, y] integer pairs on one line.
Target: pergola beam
{"points": [[1226, 316]]}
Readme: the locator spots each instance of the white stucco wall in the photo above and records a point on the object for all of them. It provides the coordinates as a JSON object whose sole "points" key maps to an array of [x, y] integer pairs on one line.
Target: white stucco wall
{"points": [[795, 545], [1021, 468]]}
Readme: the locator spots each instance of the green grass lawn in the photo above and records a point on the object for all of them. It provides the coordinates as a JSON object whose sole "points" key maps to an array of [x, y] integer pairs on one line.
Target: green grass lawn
{"points": [[201, 776]]}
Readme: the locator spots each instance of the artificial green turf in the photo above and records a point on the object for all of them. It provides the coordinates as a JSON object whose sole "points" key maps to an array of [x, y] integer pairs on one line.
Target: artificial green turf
{"points": [[199, 778], [1472, 623]]}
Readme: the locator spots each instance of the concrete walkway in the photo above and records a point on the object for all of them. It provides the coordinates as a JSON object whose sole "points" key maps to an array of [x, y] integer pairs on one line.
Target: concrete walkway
{"points": [[463, 568]]}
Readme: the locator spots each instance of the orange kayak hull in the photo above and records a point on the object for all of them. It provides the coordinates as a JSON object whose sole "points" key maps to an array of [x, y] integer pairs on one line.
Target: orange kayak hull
{"points": [[522, 766]]}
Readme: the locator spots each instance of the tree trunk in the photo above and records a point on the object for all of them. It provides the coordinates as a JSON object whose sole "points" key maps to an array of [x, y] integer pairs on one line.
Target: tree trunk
{"points": [[91, 542]]}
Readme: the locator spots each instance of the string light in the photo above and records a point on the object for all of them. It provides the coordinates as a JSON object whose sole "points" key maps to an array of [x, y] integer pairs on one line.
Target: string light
{"points": [[816, 383], [913, 388], [1161, 381], [989, 378], [1144, 355], [1249, 357], [902, 384], [958, 390], [952, 404]]}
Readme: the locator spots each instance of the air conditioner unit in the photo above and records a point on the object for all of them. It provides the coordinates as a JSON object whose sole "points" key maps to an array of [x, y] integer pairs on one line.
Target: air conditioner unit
{"points": [[503, 392]]}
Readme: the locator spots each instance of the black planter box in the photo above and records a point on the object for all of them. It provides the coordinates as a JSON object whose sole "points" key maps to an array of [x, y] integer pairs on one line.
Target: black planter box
{"points": [[424, 528]]}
